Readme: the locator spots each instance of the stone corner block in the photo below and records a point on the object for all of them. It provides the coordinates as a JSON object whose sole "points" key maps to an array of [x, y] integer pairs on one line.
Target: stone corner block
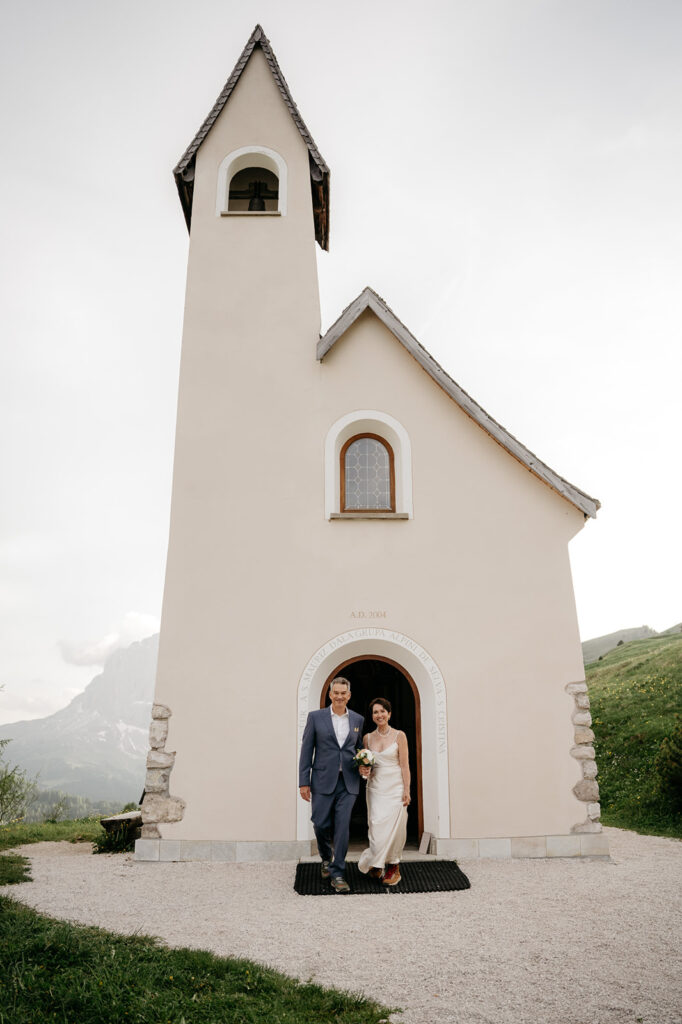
{"points": [[594, 845], [529, 846], [255, 852], [576, 688], [581, 718], [160, 758], [147, 849], [158, 732], [587, 790], [157, 780], [583, 752], [563, 846], [588, 825], [223, 851], [497, 848], [161, 711], [195, 849], [157, 808], [456, 849], [583, 734], [169, 850]]}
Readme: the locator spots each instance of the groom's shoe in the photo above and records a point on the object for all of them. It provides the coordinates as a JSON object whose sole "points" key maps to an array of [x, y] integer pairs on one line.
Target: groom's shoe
{"points": [[339, 884], [324, 869]]}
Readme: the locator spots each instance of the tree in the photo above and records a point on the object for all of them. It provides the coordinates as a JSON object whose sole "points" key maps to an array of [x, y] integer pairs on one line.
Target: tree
{"points": [[16, 789]]}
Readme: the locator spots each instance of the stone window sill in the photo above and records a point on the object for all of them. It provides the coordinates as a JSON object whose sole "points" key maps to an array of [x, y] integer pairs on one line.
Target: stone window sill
{"points": [[250, 213], [369, 515]]}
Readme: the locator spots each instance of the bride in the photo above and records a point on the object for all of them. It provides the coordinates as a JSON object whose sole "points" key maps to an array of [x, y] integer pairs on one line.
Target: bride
{"points": [[388, 795]]}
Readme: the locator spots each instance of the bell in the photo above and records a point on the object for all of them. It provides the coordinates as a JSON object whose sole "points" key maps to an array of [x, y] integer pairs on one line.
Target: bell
{"points": [[256, 204]]}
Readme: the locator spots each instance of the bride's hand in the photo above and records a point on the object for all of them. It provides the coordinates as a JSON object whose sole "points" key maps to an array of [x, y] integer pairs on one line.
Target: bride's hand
{"points": [[406, 799]]}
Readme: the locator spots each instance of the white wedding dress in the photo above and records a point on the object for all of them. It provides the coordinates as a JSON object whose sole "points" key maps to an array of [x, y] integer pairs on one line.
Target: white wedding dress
{"points": [[387, 818]]}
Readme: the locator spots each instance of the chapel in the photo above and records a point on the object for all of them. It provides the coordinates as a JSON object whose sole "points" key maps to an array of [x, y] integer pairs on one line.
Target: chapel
{"points": [[341, 506]]}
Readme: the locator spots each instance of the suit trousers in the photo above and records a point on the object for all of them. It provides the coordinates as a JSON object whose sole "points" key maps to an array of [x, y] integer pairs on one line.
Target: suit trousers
{"points": [[331, 822]]}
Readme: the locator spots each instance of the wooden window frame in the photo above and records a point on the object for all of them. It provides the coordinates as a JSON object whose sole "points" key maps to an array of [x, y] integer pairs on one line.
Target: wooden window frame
{"points": [[391, 472]]}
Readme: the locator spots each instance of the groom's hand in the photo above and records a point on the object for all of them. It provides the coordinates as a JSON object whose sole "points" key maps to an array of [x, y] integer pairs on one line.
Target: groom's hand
{"points": [[305, 793]]}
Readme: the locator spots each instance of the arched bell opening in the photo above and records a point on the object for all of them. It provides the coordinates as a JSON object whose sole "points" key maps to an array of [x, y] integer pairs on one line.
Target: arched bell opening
{"points": [[373, 676], [252, 177], [253, 190]]}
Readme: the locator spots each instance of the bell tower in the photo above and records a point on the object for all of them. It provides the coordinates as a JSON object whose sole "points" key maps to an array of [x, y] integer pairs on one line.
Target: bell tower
{"points": [[254, 191]]}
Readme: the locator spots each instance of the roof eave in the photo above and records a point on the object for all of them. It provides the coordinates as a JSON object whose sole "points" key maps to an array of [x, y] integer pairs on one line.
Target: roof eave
{"points": [[368, 299], [319, 177]]}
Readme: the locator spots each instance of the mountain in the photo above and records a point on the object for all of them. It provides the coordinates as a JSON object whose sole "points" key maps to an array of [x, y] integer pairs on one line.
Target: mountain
{"points": [[96, 746], [601, 645]]}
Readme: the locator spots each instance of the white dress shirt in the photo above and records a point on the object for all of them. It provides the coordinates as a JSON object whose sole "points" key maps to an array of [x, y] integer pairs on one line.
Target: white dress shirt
{"points": [[341, 725]]}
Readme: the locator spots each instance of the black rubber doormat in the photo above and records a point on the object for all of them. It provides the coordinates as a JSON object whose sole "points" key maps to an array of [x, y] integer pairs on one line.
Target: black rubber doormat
{"points": [[416, 876]]}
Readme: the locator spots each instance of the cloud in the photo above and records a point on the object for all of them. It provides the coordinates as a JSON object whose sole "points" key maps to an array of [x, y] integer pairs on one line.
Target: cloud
{"points": [[134, 626], [25, 706]]}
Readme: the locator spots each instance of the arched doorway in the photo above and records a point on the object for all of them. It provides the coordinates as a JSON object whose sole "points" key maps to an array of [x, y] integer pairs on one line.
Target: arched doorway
{"points": [[419, 667], [371, 676]]}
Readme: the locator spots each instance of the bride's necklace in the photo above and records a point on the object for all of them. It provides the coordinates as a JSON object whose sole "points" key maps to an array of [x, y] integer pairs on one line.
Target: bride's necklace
{"points": [[383, 734]]}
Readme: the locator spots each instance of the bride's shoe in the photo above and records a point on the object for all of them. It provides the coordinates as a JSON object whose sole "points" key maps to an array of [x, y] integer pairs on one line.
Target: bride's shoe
{"points": [[392, 874], [376, 873]]}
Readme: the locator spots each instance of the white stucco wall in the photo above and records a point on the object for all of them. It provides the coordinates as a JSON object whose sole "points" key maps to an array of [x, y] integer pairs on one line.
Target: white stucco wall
{"points": [[259, 579]]}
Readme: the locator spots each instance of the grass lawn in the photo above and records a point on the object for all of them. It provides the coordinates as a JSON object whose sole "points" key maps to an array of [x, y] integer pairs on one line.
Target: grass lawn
{"points": [[14, 868], [51, 971], [85, 830], [636, 700]]}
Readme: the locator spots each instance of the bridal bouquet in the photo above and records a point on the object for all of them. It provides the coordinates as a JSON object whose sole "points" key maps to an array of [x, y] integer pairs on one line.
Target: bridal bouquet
{"points": [[364, 758]]}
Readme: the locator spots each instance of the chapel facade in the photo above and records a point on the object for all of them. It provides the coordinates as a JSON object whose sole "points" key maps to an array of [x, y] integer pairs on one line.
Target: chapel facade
{"points": [[341, 506]]}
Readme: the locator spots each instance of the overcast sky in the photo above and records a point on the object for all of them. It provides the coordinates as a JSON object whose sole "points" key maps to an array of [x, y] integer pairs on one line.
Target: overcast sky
{"points": [[505, 173]]}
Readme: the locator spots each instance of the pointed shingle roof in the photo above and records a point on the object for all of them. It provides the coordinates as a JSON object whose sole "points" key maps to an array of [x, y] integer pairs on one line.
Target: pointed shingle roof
{"points": [[319, 172], [368, 299]]}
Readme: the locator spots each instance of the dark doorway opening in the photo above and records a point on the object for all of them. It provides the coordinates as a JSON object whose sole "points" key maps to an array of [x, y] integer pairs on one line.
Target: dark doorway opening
{"points": [[371, 676]]}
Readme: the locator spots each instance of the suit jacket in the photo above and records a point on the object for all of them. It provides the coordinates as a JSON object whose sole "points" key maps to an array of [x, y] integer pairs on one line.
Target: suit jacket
{"points": [[321, 757]]}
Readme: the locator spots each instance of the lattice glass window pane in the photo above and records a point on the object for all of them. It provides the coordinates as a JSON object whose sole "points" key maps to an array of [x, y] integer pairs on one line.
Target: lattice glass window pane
{"points": [[368, 475]]}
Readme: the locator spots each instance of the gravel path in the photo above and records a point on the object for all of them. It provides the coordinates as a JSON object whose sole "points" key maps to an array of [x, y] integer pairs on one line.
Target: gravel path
{"points": [[532, 942]]}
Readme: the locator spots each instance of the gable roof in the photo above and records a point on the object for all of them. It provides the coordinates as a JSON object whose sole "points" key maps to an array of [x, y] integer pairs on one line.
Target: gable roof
{"points": [[368, 299], [319, 172]]}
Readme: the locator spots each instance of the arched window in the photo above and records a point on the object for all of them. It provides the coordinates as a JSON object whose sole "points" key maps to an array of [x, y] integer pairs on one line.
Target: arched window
{"points": [[367, 475], [395, 441]]}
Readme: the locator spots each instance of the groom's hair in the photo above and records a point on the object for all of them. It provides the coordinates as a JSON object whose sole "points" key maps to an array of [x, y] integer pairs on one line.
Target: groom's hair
{"points": [[339, 681]]}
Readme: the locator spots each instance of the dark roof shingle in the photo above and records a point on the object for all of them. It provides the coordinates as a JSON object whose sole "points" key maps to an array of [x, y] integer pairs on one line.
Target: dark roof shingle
{"points": [[368, 299], [319, 172]]}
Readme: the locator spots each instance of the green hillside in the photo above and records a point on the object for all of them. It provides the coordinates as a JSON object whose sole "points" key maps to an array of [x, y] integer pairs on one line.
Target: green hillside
{"points": [[636, 702]]}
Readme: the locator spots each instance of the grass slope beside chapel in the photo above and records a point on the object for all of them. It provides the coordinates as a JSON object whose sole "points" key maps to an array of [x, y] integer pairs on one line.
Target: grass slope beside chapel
{"points": [[636, 702]]}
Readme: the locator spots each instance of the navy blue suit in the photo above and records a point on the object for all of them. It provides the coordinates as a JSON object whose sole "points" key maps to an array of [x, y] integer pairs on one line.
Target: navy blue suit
{"points": [[334, 782]]}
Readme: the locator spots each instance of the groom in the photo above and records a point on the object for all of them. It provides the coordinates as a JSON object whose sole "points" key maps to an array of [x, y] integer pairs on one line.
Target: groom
{"points": [[327, 773]]}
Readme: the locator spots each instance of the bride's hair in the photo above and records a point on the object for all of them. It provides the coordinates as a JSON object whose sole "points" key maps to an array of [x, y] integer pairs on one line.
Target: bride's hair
{"points": [[386, 704]]}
